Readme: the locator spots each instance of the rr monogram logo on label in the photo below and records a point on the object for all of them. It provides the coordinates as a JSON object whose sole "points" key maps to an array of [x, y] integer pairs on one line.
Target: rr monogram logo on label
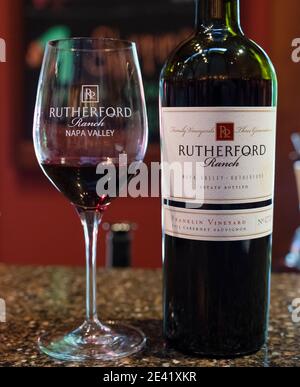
{"points": [[225, 132], [90, 94]]}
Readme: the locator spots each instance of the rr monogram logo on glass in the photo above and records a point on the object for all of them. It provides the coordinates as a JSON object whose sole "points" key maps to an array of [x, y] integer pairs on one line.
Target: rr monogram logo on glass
{"points": [[90, 94]]}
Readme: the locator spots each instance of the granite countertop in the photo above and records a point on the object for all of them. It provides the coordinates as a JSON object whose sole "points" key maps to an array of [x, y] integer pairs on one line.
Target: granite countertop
{"points": [[48, 299]]}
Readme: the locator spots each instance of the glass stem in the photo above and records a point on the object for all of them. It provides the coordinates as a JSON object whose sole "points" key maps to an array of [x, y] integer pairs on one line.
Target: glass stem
{"points": [[91, 221]]}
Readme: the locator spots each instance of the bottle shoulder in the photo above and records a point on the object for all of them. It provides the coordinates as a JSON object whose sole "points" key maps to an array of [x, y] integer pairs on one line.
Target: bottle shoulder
{"points": [[222, 55]]}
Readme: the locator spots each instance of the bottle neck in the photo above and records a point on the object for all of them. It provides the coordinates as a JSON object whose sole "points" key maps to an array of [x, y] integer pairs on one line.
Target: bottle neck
{"points": [[218, 14]]}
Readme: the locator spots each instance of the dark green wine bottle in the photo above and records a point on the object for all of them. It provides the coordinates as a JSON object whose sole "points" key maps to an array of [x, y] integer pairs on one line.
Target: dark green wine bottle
{"points": [[218, 96]]}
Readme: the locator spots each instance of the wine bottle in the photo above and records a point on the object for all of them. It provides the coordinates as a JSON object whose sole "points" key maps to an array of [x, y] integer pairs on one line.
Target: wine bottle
{"points": [[218, 96]]}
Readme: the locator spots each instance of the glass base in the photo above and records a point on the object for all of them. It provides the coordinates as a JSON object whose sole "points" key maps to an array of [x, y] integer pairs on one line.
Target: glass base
{"points": [[94, 341]]}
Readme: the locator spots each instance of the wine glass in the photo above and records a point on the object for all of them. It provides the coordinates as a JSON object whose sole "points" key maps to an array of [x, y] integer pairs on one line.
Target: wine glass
{"points": [[90, 112]]}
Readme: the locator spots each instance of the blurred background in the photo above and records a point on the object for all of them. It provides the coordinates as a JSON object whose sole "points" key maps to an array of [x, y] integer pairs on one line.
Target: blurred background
{"points": [[39, 226]]}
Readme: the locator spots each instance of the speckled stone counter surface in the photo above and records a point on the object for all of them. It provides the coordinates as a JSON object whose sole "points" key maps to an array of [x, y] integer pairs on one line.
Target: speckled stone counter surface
{"points": [[52, 299]]}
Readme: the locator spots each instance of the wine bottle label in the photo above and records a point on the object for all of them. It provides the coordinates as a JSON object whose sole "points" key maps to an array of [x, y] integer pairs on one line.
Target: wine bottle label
{"points": [[218, 172]]}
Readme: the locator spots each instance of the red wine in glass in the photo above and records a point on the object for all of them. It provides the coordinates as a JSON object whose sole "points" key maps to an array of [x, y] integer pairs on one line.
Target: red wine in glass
{"points": [[79, 183]]}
